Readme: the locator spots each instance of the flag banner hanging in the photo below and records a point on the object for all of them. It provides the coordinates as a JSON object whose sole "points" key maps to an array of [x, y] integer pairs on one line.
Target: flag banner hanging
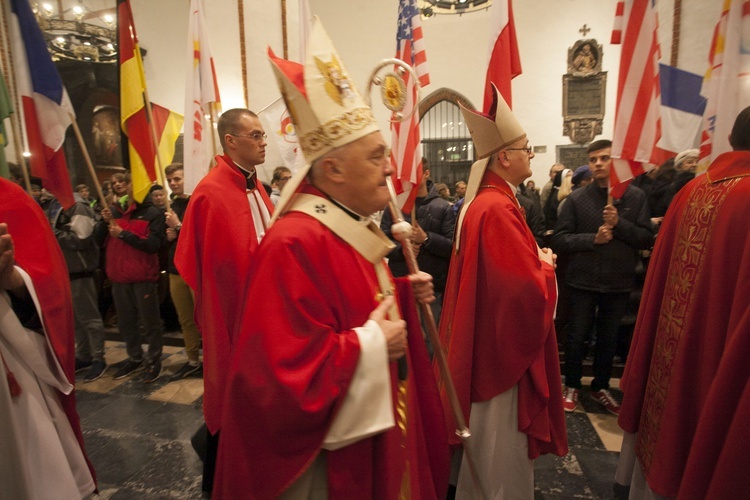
{"points": [[6, 108], [504, 62], [133, 114], [284, 146], [726, 85], [637, 126], [168, 125], [201, 89], [406, 149], [682, 108], [47, 110]]}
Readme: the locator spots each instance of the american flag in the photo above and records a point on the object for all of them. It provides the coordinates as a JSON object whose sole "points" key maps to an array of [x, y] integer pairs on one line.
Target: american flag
{"points": [[406, 154], [637, 116]]}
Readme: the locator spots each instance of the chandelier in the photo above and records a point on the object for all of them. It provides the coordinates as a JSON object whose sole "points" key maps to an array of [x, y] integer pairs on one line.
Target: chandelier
{"points": [[431, 7], [78, 33]]}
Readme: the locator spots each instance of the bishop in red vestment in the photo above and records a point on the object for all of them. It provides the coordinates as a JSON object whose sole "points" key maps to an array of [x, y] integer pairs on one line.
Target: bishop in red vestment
{"points": [[327, 395], [686, 385], [497, 325]]}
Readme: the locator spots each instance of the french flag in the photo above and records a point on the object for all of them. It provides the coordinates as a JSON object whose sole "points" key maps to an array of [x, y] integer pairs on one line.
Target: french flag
{"points": [[46, 106], [682, 108]]}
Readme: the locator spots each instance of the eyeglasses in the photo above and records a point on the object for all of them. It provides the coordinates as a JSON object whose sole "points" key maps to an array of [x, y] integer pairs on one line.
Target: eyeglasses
{"points": [[257, 136], [528, 149], [285, 178]]}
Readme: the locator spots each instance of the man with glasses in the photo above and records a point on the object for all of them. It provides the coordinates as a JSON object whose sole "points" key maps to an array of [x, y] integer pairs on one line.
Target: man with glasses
{"points": [[497, 323], [281, 176], [602, 239], [224, 223]]}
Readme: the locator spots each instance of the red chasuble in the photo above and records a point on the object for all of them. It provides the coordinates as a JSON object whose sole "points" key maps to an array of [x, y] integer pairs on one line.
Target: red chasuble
{"points": [[292, 365], [38, 253], [686, 390], [497, 326], [213, 255]]}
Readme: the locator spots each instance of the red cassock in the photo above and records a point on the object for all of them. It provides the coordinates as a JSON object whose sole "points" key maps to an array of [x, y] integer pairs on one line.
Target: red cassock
{"points": [[293, 363], [497, 323], [213, 255], [686, 390], [38, 253]]}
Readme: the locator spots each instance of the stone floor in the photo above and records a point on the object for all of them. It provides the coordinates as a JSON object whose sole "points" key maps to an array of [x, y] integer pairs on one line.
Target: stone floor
{"points": [[138, 438]]}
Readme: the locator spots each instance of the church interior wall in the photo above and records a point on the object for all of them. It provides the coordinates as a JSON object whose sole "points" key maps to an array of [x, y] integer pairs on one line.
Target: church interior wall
{"points": [[364, 31]]}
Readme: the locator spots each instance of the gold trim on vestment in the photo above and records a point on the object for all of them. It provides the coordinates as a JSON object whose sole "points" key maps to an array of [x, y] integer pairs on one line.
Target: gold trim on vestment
{"points": [[686, 263]]}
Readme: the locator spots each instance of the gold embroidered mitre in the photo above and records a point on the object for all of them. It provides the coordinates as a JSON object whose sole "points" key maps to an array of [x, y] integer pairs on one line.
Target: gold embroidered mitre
{"points": [[490, 133], [325, 106], [494, 131]]}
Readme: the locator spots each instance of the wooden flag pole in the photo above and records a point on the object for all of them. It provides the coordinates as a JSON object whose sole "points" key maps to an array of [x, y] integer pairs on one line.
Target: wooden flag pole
{"points": [[15, 124], [152, 127], [284, 33], [211, 112], [243, 54], [87, 159]]}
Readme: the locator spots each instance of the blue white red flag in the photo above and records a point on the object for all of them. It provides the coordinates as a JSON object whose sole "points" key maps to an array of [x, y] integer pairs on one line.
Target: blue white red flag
{"points": [[682, 108], [406, 151], [47, 110]]}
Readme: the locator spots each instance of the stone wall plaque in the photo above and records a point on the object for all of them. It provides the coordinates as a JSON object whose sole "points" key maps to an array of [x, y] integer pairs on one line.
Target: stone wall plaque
{"points": [[572, 156], [584, 92]]}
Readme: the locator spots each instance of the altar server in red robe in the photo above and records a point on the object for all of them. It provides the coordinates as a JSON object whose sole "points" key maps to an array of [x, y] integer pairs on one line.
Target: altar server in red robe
{"points": [[42, 447], [227, 217], [497, 324], [686, 385], [316, 406]]}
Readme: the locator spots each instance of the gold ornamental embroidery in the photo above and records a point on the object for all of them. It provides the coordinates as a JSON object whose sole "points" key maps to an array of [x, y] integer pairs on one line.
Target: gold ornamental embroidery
{"points": [[327, 134], [679, 295]]}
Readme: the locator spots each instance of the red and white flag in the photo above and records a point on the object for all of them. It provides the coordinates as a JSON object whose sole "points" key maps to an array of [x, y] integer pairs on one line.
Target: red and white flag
{"points": [[727, 82], [406, 151], [504, 62], [47, 110], [201, 89], [637, 115]]}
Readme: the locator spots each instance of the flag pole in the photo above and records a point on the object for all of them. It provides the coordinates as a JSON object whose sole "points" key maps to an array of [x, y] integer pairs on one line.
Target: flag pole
{"points": [[15, 124], [87, 158], [284, 30], [211, 112], [15, 127], [152, 128], [243, 55], [401, 231]]}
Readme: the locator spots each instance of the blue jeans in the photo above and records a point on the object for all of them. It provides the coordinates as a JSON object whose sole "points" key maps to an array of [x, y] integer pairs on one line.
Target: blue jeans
{"points": [[605, 311]]}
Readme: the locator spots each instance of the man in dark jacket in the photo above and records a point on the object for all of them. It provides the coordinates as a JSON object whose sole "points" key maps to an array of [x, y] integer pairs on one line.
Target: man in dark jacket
{"points": [[74, 230], [133, 266], [432, 238], [602, 241]]}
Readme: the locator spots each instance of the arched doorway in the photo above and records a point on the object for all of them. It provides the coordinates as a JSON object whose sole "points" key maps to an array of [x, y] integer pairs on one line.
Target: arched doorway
{"points": [[446, 141]]}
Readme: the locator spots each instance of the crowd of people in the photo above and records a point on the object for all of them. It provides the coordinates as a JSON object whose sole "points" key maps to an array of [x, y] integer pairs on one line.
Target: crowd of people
{"points": [[318, 381]]}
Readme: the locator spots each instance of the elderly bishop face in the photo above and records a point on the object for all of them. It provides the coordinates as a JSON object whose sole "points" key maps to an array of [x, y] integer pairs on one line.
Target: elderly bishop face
{"points": [[364, 166]]}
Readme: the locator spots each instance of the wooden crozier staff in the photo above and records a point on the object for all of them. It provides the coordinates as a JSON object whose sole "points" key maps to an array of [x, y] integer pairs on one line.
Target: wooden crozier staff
{"points": [[393, 94]]}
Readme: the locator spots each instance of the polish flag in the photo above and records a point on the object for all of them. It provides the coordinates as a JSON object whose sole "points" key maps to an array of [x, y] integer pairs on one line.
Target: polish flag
{"points": [[504, 61]]}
